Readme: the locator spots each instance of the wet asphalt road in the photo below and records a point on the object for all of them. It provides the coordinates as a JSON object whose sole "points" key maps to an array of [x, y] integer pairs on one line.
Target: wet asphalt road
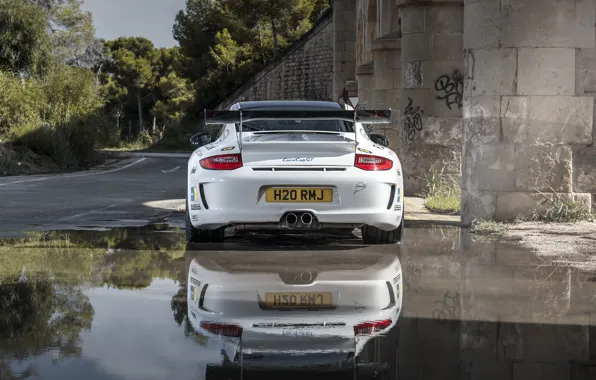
{"points": [[112, 196], [113, 304]]}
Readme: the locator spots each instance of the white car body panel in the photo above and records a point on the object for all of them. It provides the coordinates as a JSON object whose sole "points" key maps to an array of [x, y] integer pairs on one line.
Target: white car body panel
{"points": [[366, 286], [236, 197]]}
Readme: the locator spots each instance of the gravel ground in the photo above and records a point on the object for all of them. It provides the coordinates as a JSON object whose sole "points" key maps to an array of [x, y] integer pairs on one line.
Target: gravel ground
{"points": [[564, 244]]}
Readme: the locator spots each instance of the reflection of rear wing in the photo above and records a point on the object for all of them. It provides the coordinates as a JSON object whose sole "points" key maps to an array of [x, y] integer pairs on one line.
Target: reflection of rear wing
{"points": [[358, 116], [240, 116]]}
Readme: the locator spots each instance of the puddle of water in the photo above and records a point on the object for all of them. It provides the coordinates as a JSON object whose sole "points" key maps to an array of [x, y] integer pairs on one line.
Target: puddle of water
{"points": [[132, 303]]}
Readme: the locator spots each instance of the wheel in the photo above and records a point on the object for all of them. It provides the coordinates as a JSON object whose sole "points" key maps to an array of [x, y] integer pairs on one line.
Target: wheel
{"points": [[195, 235], [374, 235]]}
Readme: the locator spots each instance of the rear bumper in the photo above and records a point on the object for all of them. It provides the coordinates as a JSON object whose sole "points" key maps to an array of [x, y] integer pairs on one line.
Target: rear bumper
{"points": [[238, 198]]}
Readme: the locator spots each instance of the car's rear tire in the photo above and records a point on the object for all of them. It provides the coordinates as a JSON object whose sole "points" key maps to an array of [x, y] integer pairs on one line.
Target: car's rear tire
{"points": [[374, 235], [196, 235]]}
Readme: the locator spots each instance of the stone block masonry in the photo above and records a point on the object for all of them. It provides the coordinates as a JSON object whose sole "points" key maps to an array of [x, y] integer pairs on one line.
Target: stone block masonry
{"points": [[431, 99], [529, 109], [303, 72]]}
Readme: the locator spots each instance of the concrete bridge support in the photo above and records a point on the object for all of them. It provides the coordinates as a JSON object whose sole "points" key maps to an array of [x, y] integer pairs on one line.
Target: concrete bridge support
{"points": [[387, 84], [529, 83], [344, 44], [432, 89]]}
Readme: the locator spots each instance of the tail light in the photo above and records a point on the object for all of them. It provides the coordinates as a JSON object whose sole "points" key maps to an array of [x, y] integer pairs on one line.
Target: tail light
{"points": [[231, 331], [367, 328], [222, 162], [368, 162]]}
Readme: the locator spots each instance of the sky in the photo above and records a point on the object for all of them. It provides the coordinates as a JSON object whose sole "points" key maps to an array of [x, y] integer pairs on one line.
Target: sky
{"points": [[152, 19]]}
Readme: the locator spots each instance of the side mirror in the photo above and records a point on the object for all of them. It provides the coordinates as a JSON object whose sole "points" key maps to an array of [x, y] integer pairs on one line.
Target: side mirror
{"points": [[379, 139], [200, 139]]}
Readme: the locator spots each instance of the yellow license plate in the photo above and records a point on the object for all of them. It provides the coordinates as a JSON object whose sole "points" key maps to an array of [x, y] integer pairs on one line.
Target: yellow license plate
{"points": [[299, 194], [298, 300]]}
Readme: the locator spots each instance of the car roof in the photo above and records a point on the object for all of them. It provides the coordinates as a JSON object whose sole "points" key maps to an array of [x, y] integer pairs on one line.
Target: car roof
{"points": [[287, 104]]}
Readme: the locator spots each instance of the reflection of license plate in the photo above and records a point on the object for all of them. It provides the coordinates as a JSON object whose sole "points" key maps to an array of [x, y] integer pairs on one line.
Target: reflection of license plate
{"points": [[291, 194], [297, 300], [297, 333]]}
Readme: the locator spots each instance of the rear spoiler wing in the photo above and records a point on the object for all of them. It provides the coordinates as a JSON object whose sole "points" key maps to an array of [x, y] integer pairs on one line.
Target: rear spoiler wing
{"points": [[240, 116]]}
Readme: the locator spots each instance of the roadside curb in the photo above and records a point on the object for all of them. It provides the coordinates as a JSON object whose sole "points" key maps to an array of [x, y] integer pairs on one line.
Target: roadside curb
{"points": [[149, 155]]}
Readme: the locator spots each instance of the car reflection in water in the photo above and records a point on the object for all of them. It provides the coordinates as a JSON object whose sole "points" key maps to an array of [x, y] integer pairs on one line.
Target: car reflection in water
{"points": [[295, 312]]}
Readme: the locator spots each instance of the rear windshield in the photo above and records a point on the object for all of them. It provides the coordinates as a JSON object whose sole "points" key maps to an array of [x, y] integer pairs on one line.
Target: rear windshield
{"points": [[297, 125]]}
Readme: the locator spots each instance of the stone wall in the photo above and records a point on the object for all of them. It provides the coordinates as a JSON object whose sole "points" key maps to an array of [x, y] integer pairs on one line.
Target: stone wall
{"points": [[529, 108], [303, 72]]}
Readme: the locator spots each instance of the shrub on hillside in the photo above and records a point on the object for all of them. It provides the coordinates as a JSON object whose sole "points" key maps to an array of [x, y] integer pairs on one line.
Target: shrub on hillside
{"points": [[21, 103], [58, 116]]}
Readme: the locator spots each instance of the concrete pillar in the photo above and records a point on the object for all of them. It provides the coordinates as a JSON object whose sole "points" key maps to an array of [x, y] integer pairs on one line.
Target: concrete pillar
{"points": [[364, 74], [387, 84], [389, 17], [431, 101], [344, 44], [524, 113]]}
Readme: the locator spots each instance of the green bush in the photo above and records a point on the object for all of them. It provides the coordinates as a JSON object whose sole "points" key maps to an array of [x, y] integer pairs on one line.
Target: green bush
{"points": [[70, 145], [22, 103], [59, 116]]}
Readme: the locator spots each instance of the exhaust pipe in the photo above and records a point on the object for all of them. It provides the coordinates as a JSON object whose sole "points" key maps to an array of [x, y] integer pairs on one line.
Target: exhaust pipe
{"points": [[306, 219], [291, 219]]}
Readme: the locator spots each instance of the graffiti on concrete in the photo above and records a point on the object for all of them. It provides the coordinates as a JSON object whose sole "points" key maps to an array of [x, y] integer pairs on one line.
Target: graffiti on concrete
{"points": [[412, 276], [470, 69], [449, 310], [412, 120], [452, 89]]}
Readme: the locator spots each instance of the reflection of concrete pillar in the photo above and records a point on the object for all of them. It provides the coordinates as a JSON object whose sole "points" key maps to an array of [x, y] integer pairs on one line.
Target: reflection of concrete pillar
{"points": [[429, 332], [486, 292], [387, 83], [523, 115], [431, 102], [344, 44]]}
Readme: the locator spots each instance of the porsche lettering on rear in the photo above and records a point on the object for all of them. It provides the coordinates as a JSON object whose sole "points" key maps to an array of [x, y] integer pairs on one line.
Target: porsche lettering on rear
{"points": [[295, 166], [301, 159]]}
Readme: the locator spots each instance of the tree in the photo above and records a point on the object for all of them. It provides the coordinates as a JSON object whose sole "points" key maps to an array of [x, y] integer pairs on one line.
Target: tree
{"points": [[284, 17], [73, 33], [70, 93], [195, 30], [177, 96], [228, 41], [46, 4], [38, 313], [132, 67], [24, 42]]}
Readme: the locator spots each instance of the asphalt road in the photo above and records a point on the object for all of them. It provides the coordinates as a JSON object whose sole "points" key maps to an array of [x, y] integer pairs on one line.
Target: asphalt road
{"points": [[110, 196]]}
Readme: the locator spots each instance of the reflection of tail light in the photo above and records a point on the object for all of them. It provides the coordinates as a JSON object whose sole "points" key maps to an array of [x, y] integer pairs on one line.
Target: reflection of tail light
{"points": [[231, 331], [367, 328]]}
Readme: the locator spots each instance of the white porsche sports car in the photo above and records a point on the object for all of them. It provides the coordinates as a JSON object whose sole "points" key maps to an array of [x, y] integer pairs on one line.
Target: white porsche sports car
{"points": [[294, 166], [297, 309]]}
